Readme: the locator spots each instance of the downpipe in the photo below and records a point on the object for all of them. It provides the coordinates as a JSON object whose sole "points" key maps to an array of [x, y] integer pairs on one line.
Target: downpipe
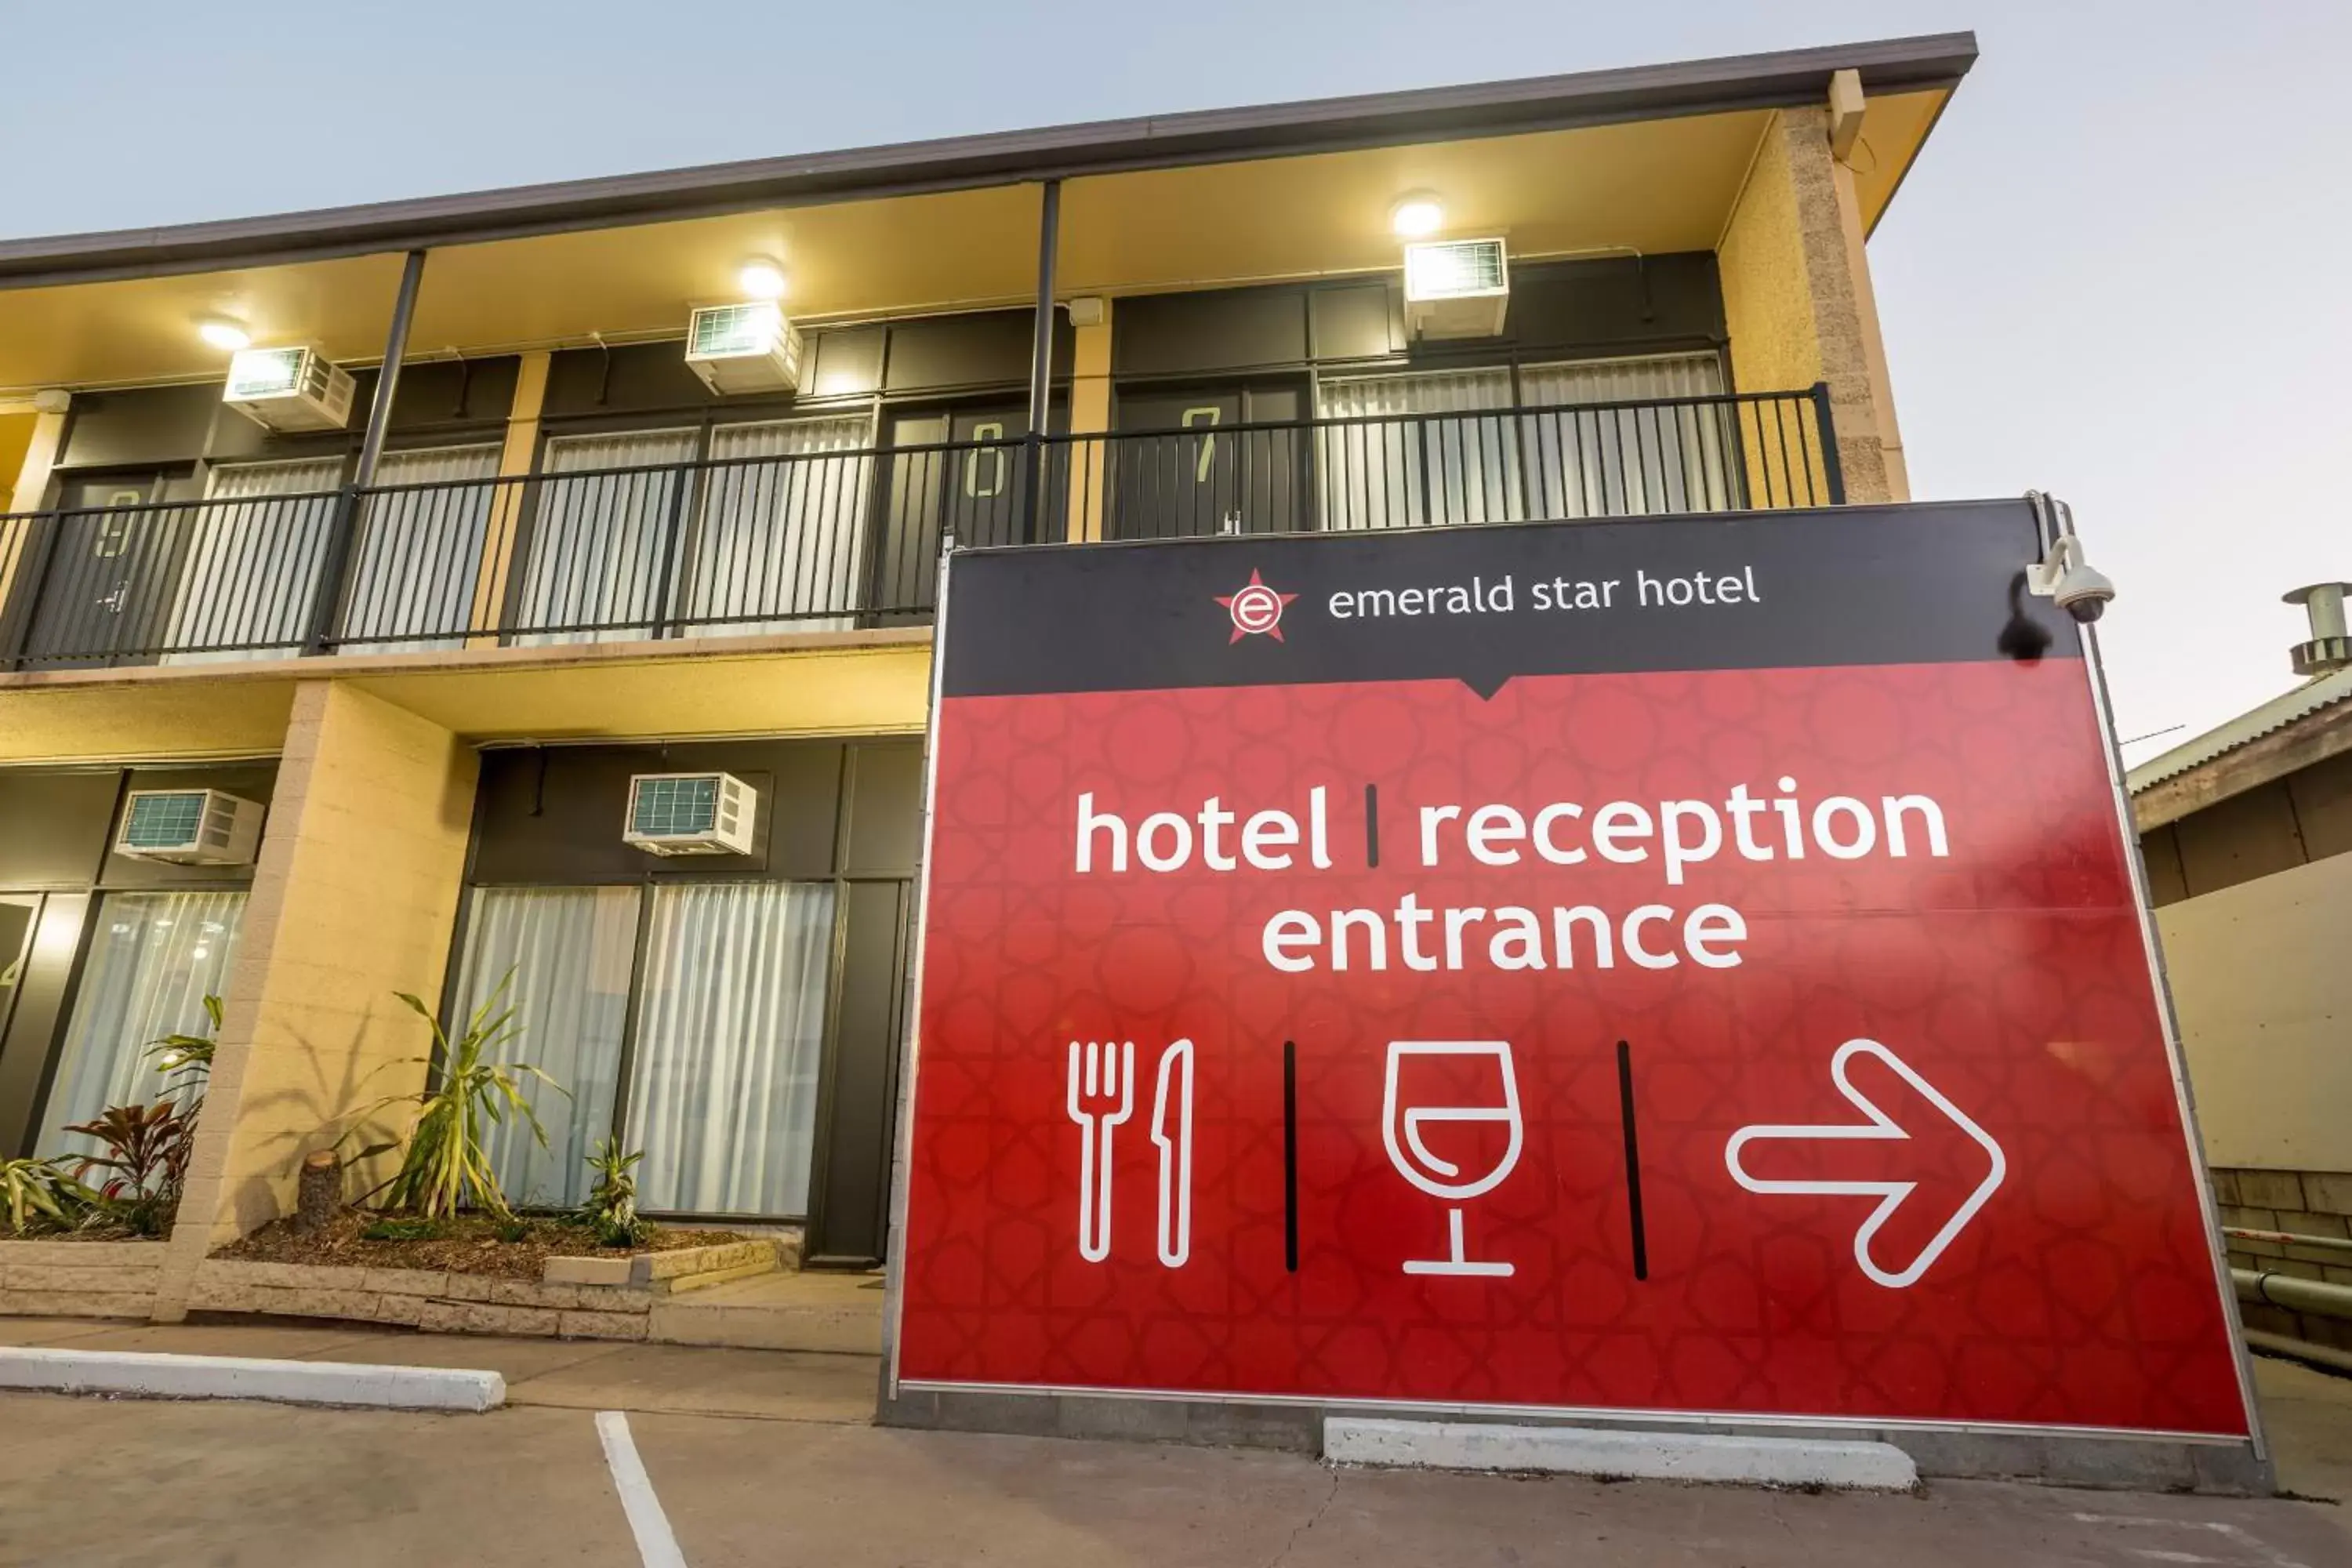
{"points": [[2296, 1294]]}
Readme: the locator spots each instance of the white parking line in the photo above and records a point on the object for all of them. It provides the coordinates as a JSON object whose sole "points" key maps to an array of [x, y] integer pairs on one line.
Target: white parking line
{"points": [[2265, 1556], [656, 1544]]}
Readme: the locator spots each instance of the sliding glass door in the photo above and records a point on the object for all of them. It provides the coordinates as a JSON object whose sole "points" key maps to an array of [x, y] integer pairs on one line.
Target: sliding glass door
{"points": [[152, 960], [720, 1060]]}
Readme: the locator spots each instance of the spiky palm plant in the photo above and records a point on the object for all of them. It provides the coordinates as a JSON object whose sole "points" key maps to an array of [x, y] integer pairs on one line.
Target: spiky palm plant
{"points": [[446, 1164], [38, 1193]]}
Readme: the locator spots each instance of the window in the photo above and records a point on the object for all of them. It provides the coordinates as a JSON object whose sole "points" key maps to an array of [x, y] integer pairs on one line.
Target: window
{"points": [[570, 951], [1565, 449], [1616, 461], [255, 552], [722, 1055], [594, 572], [781, 540], [1385, 468], [729, 1033], [152, 960], [419, 554]]}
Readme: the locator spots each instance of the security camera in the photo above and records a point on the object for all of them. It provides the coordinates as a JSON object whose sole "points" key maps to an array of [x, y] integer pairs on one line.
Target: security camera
{"points": [[2072, 583]]}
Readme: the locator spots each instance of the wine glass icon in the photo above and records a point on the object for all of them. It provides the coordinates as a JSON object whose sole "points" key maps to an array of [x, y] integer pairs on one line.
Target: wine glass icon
{"points": [[1401, 1121]]}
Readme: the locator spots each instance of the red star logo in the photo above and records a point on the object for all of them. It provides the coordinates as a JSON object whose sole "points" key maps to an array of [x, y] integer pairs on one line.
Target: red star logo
{"points": [[1255, 608]]}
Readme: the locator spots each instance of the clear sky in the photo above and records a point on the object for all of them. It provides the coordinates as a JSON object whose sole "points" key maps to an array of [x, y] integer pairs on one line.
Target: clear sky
{"points": [[2118, 274]]}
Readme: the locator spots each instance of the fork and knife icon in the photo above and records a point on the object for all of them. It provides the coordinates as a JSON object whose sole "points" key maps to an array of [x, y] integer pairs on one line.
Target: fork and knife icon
{"points": [[1102, 1100]]}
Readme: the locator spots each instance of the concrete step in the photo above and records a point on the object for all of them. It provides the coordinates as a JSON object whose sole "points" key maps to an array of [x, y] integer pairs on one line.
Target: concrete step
{"points": [[841, 1313]]}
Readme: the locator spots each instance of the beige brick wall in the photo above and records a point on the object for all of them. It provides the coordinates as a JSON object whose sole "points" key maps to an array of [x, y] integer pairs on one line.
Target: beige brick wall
{"points": [[1797, 299], [353, 898], [2298, 1203]]}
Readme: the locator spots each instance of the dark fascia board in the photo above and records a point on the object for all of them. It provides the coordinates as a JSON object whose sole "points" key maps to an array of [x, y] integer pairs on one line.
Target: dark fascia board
{"points": [[1222, 135]]}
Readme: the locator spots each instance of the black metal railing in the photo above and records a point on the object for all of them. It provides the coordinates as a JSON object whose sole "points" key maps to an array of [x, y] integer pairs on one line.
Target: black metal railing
{"points": [[818, 539]]}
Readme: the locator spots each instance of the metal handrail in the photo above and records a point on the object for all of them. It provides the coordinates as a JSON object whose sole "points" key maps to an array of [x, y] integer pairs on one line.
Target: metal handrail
{"points": [[842, 536]]}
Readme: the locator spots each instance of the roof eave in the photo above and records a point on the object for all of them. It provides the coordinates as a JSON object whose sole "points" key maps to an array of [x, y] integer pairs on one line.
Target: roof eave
{"points": [[1338, 124]]}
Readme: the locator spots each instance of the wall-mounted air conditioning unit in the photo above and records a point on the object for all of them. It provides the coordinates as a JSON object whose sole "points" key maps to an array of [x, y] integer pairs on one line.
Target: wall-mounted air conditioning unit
{"points": [[1457, 287], [689, 814], [289, 389], [748, 347], [189, 827]]}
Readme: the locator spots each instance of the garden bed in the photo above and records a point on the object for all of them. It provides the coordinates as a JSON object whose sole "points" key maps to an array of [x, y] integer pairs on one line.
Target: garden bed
{"points": [[586, 1293], [469, 1244]]}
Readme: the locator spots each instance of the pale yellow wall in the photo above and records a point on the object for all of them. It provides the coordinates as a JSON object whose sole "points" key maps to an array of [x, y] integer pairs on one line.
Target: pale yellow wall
{"points": [[1796, 295], [16, 440], [353, 898], [28, 470], [505, 513], [2264, 993], [1090, 415]]}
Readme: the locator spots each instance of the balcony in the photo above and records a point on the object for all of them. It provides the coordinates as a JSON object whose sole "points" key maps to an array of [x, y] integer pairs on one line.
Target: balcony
{"points": [[807, 526]]}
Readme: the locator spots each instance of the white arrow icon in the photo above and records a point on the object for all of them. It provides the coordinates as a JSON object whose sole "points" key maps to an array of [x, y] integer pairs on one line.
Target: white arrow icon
{"points": [[1881, 1127]]}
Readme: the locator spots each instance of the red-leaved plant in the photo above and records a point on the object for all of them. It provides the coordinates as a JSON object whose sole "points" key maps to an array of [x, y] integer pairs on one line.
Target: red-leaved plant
{"points": [[145, 1163]]}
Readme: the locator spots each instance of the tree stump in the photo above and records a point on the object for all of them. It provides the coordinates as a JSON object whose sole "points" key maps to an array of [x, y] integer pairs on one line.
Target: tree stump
{"points": [[319, 1192]]}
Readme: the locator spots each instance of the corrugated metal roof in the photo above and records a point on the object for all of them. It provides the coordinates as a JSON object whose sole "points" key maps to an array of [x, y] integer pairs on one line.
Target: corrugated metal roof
{"points": [[2244, 729]]}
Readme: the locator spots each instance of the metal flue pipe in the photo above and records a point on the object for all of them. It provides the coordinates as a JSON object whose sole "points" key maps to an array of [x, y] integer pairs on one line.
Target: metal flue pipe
{"points": [[2296, 1294]]}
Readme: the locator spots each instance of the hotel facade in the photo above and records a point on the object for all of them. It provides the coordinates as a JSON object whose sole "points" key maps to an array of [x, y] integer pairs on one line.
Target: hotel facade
{"points": [[539, 583]]}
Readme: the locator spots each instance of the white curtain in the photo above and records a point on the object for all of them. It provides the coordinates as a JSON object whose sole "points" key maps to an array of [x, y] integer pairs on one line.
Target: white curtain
{"points": [[152, 960], [255, 550], [1628, 462], [780, 539], [419, 553], [570, 950], [729, 1034], [1389, 470], [598, 538]]}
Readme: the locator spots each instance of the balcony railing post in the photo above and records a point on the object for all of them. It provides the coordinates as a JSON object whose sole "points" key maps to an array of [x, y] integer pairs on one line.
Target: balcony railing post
{"points": [[342, 527], [1833, 471], [665, 599]]}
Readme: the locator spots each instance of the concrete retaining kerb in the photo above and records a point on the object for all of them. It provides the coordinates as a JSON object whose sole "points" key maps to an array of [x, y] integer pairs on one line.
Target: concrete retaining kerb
{"points": [[1647, 1455], [140, 1374]]}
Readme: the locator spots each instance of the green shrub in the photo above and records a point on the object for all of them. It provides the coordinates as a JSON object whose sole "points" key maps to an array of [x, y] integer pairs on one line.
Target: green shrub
{"points": [[611, 1208]]}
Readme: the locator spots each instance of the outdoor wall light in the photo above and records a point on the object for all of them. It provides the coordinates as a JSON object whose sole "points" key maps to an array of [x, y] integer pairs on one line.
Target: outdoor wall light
{"points": [[761, 277], [223, 332], [1416, 215]]}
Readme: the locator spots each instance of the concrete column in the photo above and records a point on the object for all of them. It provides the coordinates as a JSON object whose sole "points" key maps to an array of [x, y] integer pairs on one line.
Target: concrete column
{"points": [[506, 511], [1798, 301], [353, 898], [1089, 416]]}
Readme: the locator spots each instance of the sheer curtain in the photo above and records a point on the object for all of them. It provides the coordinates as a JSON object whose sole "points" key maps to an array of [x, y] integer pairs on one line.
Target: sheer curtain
{"points": [[598, 538], [729, 1034], [780, 538], [1626, 462], [255, 547], [152, 959], [570, 949], [1393, 471], [419, 553]]}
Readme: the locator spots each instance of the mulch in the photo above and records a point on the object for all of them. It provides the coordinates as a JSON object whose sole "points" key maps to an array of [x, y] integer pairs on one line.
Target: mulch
{"points": [[470, 1245]]}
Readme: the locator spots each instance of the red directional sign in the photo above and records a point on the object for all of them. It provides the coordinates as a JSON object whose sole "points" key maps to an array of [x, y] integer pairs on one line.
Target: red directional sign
{"points": [[1526, 986]]}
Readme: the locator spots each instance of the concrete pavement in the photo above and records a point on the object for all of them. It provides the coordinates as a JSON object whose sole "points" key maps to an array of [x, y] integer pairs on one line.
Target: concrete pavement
{"points": [[764, 1458]]}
